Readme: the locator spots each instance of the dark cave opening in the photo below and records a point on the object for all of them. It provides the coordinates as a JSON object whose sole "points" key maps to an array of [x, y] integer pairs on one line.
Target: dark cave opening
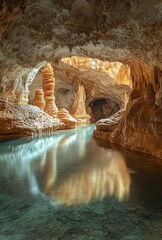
{"points": [[103, 108]]}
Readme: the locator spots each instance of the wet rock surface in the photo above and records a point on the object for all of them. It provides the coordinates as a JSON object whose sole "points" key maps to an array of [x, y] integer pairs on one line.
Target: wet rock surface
{"points": [[68, 121], [140, 127], [19, 120], [127, 32]]}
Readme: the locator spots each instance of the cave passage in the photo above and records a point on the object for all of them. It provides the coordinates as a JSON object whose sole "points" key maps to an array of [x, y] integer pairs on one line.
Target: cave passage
{"points": [[103, 108]]}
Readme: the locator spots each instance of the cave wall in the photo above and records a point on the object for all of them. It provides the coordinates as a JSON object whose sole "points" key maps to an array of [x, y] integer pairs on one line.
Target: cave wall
{"points": [[36, 84], [103, 108], [65, 97], [124, 31], [50, 30], [115, 86], [140, 126]]}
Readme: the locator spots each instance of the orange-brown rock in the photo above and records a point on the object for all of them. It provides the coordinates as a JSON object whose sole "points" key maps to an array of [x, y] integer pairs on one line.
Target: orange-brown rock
{"points": [[39, 99], [48, 89], [105, 127], [119, 72], [140, 127], [109, 124], [68, 121], [114, 31], [114, 84], [24, 120], [79, 107]]}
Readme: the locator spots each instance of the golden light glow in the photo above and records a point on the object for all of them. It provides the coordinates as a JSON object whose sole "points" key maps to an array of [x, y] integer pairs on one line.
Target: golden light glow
{"points": [[116, 70], [107, 176]]}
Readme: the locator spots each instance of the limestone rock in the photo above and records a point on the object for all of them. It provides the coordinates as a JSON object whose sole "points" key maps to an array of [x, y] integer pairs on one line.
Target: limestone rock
{"points": [[119, 72], [109, 124], [48, 89], [105, 127], [79, 108], [39, 99], [67, 120], [115, 31], [158, 97], [17, 120], [140, 127], [108, 84]]}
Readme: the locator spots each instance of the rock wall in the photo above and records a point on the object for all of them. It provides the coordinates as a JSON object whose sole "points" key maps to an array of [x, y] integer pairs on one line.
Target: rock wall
{"points": [[117, 31], [103, 108], [112, 84], [139, 128]]}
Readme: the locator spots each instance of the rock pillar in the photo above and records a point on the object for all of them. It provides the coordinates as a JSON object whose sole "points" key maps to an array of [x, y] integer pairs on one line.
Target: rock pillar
{"points": [[48, 89]]}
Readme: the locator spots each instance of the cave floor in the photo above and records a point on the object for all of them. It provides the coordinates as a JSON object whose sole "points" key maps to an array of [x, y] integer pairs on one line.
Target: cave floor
{"points": [[64, 186]]}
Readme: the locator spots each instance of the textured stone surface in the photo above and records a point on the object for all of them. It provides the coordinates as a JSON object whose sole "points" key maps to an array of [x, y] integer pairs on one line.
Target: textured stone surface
{"points": [[125, 31], [19, 120], [109, 124], [39, 99], [97, 84], [119, 73], [139, 128], [103, 108], [78, 109], [48, 89], [68, 121]]}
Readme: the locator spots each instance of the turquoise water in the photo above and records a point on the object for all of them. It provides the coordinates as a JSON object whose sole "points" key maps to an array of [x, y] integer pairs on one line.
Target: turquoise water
{"points": [[64, 186]]}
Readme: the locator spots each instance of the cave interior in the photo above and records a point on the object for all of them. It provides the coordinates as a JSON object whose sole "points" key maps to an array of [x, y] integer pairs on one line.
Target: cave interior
{"points": [[81, 119]]}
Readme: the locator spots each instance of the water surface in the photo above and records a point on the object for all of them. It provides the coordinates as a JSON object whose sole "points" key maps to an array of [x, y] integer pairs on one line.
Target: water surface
{"points": [[64, 186]]}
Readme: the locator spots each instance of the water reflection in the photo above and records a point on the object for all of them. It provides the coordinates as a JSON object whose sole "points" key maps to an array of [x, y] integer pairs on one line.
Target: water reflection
{"points": [[96, 178], [68, 167]]}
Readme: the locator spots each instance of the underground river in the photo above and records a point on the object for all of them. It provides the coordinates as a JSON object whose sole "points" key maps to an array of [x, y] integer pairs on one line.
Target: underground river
{"points": [[64, 186]]}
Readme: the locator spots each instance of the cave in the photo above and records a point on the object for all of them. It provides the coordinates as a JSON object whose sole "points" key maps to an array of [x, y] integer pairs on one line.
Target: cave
{"points": [[103, 108], [80, 119]]}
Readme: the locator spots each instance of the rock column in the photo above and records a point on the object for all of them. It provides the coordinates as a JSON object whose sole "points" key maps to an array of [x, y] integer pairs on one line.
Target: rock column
{"points": [[39, 99], [79, 107], [48, 88]]}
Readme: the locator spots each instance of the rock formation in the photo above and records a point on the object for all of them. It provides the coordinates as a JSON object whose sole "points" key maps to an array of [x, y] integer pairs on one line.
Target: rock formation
{"points": [[119, 72], [48, 89], [78, 109], [115, 31], [39, 99], [114, 83], [105, 127], [68, 121], [19, 120], [139, 128], [103, 108]]}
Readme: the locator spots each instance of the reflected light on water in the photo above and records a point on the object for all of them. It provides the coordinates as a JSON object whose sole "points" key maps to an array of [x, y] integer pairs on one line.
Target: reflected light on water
{"points": [[72, 167], [106, 176]]}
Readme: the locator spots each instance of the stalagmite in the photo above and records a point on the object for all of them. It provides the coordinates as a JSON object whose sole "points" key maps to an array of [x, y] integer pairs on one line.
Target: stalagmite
{"points": [[48, 89], [67, 120], [79, 107], [39, 99]]}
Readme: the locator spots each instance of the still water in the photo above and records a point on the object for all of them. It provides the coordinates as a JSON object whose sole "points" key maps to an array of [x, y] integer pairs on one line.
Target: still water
{"points": [[64, 187]]}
